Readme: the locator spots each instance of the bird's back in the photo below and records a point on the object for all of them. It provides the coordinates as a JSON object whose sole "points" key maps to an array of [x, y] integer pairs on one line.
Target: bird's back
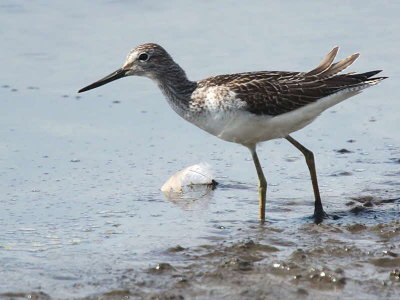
{"points": [[276, 92]]}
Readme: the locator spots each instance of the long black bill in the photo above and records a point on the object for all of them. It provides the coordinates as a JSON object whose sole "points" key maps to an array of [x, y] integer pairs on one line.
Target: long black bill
{"points": [[113, 76]]}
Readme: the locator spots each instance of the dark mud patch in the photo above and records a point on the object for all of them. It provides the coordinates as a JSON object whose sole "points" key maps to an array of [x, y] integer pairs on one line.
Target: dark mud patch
{"points": [[395, 160], [343, 151], [373, 208], [386, 262], [33, 296], [341, 173], [177, 248]]}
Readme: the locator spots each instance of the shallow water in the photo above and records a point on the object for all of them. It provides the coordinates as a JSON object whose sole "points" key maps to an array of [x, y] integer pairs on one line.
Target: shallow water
{"points": [[82, 214]]}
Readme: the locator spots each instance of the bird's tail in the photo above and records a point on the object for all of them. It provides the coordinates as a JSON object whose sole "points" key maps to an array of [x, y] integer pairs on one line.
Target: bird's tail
{"points": [[366, 77]]}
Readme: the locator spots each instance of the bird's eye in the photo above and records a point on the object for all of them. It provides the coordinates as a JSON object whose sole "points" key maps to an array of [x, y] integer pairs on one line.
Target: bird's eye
{"points": [[143, 57]]}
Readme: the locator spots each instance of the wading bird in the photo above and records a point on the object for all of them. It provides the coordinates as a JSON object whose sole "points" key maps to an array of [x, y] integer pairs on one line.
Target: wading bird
{"points": [[252, 107]]}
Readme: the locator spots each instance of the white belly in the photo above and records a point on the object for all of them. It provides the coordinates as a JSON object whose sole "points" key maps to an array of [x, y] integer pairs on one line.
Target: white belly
{"points": [[242, 127]]}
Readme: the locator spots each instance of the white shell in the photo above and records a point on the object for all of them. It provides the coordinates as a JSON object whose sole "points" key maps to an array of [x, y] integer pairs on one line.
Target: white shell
{"points": [[198, 174]]}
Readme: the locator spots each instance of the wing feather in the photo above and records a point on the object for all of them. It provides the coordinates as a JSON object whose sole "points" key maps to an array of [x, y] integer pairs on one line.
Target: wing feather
{"points": [[325, 63]]}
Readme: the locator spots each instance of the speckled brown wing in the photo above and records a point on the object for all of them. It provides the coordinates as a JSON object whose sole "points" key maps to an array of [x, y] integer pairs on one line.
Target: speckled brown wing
{"points": [[274, 93]]}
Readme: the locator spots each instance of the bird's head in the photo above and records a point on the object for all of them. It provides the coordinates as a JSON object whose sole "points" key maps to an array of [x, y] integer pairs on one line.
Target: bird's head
{"points": [[149, 60]]}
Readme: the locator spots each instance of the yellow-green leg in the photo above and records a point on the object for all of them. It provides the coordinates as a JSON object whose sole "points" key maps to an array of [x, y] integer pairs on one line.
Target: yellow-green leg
{"points": [[319, 213], [262, 183]]}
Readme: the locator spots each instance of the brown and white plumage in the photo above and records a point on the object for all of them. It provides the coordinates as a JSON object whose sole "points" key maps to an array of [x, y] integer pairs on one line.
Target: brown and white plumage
{"points": [[248, 108], [276, 92], [259, 106]]}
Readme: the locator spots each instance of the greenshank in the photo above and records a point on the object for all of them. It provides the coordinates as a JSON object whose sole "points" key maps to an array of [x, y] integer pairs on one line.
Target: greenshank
{"points": [[252, 107]]}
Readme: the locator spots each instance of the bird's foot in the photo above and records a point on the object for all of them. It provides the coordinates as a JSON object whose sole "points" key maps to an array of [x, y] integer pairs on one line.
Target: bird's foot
{"points": [[320, 215]]}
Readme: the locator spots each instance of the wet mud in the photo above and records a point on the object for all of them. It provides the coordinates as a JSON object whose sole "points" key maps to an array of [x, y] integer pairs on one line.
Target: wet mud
{"points": [[350, 257], [329, 261]]}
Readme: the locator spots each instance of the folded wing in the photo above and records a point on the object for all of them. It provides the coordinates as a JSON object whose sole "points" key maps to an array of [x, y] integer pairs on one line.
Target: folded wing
{"points": [[275, 93]]}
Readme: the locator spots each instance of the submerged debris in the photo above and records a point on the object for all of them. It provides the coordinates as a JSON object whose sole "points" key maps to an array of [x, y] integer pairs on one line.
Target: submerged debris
{"points": [[395, 275], [198, 174], [161, 268]]}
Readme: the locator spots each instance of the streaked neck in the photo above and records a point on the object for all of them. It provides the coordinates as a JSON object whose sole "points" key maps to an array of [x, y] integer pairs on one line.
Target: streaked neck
{"points": [[176, 87]]}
